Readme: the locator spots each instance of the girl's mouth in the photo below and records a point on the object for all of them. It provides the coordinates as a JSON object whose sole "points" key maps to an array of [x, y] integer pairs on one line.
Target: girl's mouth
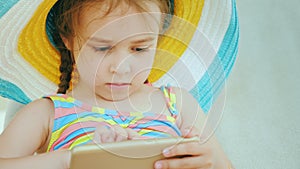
{"points": [[118, 85]]}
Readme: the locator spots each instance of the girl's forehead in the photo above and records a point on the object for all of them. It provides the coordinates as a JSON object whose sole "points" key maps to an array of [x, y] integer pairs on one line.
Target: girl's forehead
{"points": [[119, 24]]}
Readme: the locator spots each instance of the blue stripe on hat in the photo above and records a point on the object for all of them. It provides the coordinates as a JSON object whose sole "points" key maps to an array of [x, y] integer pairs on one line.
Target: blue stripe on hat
{"points": [[6, 5], [13, 92], [213, 80]]}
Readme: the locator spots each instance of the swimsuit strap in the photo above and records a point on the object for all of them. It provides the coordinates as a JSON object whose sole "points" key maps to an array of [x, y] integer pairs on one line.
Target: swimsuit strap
{"points": [[170, 99]]}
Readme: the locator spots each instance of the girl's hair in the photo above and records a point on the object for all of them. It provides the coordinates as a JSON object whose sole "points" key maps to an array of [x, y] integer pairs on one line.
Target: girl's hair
{"points": [[65, 16]]}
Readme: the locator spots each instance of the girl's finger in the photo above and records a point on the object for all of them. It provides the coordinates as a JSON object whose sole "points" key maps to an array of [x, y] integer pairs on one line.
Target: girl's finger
{"points": [[192, 148], [190, 131], [120, 133], [96, 138], [106, 133], [132, 134], [199, 162], [98, 132], [107, 136]]}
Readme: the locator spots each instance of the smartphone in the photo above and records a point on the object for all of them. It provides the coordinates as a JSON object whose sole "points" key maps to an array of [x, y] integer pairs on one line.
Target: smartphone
{"points": [[131, 154]]}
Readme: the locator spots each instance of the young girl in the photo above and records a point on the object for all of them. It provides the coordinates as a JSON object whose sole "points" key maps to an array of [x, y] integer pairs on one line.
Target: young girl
{"points": [[111, 44]]}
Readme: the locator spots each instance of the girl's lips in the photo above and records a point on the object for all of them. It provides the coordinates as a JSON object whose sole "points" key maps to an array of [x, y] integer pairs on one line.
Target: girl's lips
{"points": [[118, 85]]}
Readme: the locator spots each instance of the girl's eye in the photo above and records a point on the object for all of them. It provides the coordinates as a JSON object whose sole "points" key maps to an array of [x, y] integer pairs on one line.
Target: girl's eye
{"points": [[140, 49], [102, 49]]}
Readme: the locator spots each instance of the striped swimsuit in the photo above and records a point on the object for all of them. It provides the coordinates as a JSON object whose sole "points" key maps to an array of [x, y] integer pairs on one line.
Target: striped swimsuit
{"points": [[75, 122]]}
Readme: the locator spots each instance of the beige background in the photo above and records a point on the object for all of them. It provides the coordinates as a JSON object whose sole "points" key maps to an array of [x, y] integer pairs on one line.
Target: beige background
{"points": [[260, 127]]}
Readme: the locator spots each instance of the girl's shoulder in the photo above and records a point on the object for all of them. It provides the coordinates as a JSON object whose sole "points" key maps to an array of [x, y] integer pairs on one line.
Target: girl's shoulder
{"points": [[44, 104], [41, 109], [31, 127]]}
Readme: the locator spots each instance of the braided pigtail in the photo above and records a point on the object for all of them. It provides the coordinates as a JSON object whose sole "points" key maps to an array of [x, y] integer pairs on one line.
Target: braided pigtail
{"points": [[60, 25], [66, 69], [66, 65]]}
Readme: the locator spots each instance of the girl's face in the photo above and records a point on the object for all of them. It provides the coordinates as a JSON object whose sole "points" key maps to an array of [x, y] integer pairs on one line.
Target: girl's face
{"points": [[114, 54]]}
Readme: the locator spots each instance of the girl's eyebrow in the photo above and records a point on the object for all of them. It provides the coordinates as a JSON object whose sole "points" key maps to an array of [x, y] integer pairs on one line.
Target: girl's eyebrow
{"points": [[143, 40], [95, 39], [146, 39]]}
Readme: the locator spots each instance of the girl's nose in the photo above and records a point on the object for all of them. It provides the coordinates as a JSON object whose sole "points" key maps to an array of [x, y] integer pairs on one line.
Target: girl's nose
{"points": [[120, 64]]}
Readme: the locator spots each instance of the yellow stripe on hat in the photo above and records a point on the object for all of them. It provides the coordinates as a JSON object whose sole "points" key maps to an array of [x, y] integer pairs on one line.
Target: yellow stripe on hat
{"points": [[174, 43], [35, 47]]}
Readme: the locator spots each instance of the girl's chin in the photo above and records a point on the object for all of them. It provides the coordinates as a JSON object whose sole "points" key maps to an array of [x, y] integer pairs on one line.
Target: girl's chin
{"points": [[115, 96]]}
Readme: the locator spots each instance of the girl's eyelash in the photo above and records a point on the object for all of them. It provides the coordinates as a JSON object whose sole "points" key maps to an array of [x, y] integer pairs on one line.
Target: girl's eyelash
{"points": [[107, 48], [141, 49], [102, 49]]}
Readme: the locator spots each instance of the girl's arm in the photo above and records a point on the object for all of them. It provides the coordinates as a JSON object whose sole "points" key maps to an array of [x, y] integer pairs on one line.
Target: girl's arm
{"points": [[28, 133], [191, 121], [53, 160]]}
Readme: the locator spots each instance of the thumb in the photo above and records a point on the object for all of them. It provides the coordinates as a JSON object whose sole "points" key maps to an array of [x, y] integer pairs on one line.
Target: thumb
{"points": [[132, 134], [192, 131]]}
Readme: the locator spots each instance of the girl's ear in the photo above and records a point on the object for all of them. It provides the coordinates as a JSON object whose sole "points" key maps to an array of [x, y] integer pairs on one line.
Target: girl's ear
{"points": [[67, 42]]}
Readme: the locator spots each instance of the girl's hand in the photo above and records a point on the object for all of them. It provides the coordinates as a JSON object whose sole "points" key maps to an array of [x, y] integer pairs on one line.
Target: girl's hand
{"points": [[106, 133], [208, 155]]}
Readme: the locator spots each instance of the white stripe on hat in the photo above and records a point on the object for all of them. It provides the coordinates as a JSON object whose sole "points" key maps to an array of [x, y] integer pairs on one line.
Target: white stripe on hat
{"points": [[203, 47], [27, 78]]}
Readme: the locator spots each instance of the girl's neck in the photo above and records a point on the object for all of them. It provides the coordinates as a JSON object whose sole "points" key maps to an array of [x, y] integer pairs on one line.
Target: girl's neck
{"points": [[140, 100]]}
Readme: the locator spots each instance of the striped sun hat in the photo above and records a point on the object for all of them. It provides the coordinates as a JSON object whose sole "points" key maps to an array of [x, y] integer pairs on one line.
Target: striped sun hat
{"points": [[201, 43]]}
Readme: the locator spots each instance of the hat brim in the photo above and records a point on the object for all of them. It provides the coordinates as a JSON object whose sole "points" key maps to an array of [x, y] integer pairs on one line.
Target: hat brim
{"points": [[208, 49]]}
